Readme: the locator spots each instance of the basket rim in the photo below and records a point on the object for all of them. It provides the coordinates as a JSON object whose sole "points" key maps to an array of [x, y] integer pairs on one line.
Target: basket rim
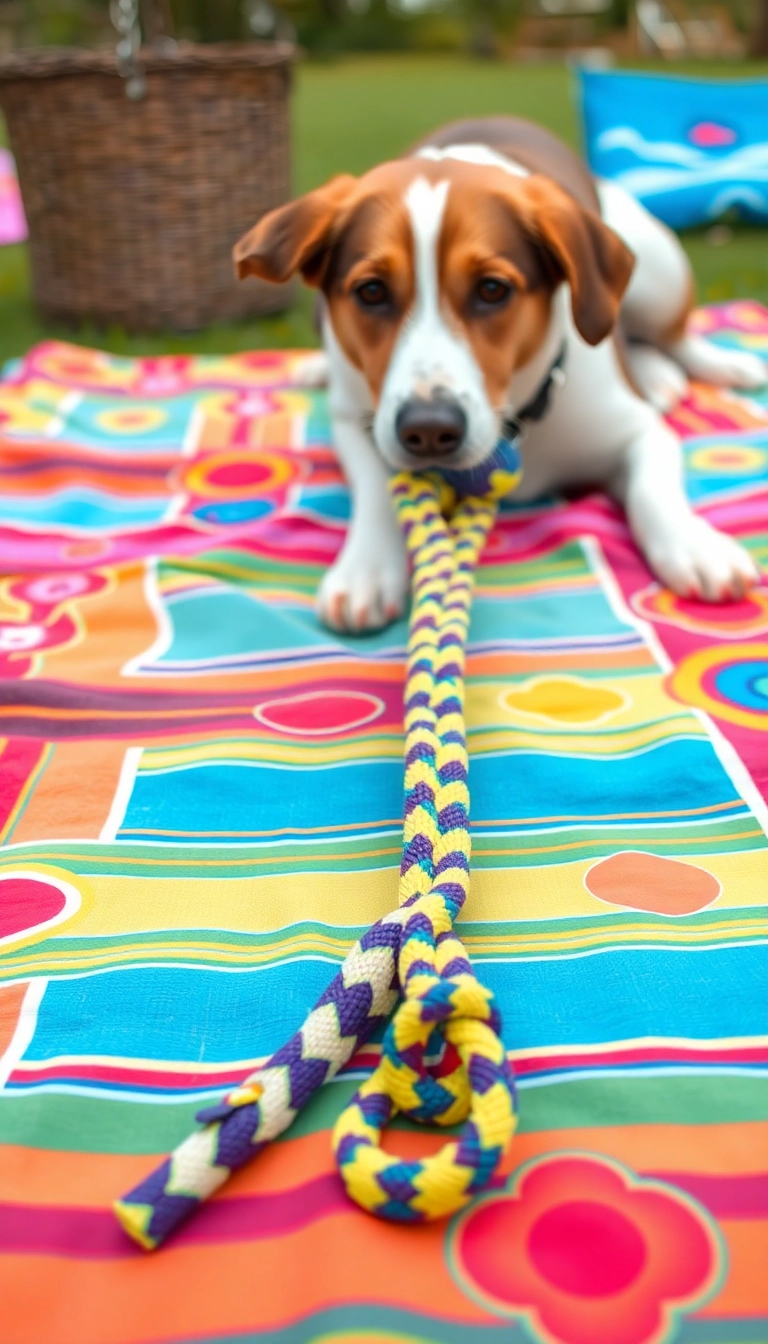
{"points": [[50, 62]]}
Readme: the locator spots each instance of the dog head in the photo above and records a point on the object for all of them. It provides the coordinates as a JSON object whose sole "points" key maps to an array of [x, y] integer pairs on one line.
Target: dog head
{"points": [[439, 278]]}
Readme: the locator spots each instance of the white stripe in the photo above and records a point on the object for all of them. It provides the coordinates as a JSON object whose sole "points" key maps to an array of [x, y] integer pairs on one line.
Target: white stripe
{"points": [[735, 768], [726, 753], [607, 1074], [162, 1097], [620, 949], [621, 610], [122, 795], [25, 1029], [141, 664]]}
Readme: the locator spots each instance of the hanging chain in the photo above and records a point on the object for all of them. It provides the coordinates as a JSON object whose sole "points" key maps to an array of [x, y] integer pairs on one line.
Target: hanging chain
{"points": [[125, 19], [261, 19]]}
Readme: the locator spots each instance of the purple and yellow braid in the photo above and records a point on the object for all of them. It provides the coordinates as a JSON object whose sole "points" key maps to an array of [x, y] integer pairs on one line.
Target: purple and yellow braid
{"points": [[442, 1058]]}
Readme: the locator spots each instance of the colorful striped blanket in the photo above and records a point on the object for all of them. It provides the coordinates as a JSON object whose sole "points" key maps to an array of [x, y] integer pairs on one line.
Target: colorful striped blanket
{"points": [[200, 811]]}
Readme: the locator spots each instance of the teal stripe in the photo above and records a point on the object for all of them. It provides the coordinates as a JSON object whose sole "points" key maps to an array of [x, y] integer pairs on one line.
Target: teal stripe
{"points": [[349, 1323], [381, 850], [225, 950], [93, 1124], [584, 925], [240, 568], [75, 1124], [745, 1331], [129, 859]]}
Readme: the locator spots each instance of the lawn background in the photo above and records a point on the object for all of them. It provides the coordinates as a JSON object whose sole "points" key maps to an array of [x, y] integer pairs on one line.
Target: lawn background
{"points": [[353, 113]]}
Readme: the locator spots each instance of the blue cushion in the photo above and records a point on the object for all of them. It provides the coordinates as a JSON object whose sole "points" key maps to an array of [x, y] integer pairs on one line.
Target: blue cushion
{"points": [[689, 149]]}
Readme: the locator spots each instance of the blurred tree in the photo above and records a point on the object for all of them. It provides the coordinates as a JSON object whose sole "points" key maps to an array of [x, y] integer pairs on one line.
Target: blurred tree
{"points": [[488, 21], [760, 32], [328, 26], [209, 20], [59, 22]]}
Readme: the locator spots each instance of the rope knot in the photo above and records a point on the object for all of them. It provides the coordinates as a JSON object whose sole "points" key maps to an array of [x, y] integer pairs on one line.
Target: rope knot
{"points": [[442, 1062]]}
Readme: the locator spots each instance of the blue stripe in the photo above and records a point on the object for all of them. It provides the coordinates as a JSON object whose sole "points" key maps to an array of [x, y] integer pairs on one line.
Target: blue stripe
{"points": [[555, 616], [85, 508], [223, 623], [175, 1013], [509, 792]]}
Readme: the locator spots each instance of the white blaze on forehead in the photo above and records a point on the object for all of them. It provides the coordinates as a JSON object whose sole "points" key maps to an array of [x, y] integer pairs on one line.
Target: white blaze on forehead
{"points": [[426, 206], [431, 353], [481, 155]]}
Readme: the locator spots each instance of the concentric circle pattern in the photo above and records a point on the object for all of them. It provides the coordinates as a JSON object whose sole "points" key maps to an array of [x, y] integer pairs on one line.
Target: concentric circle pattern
{"points": [[239, 475], [585, 1252], [132, 419], [730, 682], [722, 620], [729, 459]]}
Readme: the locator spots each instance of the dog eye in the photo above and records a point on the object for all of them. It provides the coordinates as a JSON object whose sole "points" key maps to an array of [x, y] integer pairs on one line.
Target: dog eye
{"points": [[372, 294], [492, 292]]}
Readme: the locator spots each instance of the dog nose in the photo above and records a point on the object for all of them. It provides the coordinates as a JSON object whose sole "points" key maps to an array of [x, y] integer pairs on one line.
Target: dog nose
{"points": [[433, 428]]}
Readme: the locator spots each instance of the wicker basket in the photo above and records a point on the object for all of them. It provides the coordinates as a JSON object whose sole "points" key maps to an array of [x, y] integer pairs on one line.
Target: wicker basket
{"points": [[133, 207]]}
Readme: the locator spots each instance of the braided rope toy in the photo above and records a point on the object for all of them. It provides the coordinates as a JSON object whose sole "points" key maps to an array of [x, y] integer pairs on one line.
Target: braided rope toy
{"points": [[442, 1058]]}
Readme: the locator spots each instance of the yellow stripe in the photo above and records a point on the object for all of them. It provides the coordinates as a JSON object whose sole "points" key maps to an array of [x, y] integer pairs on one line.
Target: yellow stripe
{"points": [[271, 750], [508, 946]]}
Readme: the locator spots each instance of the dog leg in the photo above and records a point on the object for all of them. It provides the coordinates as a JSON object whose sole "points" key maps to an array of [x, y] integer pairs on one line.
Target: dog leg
{"points": [[713, 364], [366, 587], [660, 380], [313, 371], [659, 298], [685, 552]]}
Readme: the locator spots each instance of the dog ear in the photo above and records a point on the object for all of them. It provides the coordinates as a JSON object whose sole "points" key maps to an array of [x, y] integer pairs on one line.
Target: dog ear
{"points": [[586, 253], [295, 237]]}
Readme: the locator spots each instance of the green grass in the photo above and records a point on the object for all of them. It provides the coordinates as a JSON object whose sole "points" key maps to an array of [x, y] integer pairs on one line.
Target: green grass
{"points": [[351, 114]]}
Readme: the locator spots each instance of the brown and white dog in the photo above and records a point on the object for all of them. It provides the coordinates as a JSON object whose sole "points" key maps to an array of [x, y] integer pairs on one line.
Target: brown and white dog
{"points": [[454, 280]]}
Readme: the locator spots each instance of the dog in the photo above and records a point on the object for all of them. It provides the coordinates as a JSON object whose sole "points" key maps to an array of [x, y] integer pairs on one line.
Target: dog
{"points": [[485, 281]]}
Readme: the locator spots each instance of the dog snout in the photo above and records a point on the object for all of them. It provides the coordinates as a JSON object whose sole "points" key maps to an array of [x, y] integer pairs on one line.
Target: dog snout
{"points": [[431, 428]]}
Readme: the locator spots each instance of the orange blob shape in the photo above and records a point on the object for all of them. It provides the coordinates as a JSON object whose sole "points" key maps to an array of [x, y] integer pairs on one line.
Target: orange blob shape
{"points": [[650, 882]]}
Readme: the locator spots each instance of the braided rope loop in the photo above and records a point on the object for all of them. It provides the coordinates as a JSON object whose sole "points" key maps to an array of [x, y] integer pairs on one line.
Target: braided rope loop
{"points": [[442, 1059]]}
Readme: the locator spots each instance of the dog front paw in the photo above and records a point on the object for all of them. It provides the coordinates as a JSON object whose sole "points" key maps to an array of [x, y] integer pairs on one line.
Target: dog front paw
{"points": [[364, 592], [698, 561], [740, 368]]}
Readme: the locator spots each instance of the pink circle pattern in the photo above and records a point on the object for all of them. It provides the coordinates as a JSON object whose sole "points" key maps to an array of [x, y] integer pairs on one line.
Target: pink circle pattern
{"points": [[32, 903], [585, 1252], [320, 713]]}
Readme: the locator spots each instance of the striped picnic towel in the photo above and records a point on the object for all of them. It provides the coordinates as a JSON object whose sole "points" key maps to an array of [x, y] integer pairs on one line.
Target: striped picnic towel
{"points": [[200, 811]]}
